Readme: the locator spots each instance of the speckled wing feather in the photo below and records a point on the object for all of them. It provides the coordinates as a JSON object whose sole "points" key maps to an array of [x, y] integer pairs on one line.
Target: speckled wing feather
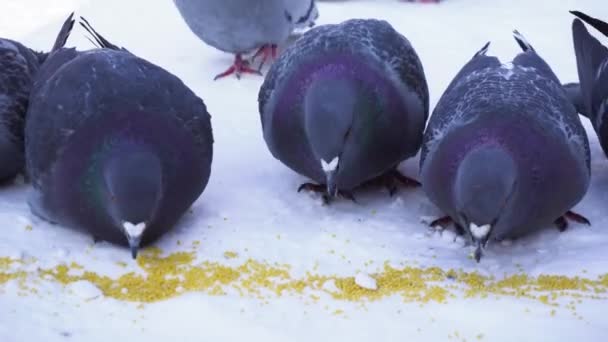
{"points": [[15, 80], [375, 40], [100, 75], [451, 106], [527, 86]]}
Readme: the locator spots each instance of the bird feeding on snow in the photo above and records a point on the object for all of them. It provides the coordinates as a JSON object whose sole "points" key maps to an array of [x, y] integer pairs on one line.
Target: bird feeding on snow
{"points": [[242, 26], [19, 66], [504, 152], [115, 145], [591, 94], [345, 104]]}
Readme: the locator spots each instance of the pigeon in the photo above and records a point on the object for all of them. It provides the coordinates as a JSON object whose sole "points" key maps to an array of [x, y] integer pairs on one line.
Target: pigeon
{"points": [[345, 105], [505, 152], [242, 26], [590, 96], [19, 65], [116, 146]]}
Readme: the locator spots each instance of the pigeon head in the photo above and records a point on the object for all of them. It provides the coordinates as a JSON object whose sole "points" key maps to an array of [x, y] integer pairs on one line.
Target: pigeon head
{"points": [[483, 188], [331, 104], [132, 184]]}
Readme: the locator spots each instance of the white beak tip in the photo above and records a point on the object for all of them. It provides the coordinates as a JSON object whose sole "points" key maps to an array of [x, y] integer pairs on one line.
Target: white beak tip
{"points": [[134, 230], [479, 232], [331, 166]]}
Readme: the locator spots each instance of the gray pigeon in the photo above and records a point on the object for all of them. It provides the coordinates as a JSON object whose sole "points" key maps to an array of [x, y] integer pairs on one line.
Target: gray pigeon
{"points": [[346, 103], [115, 145], [505, 152], [591, 97], [18, 67], [242, 26]]}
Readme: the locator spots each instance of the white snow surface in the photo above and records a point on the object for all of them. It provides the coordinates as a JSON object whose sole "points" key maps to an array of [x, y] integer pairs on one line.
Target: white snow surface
{"points": [[252, 209], [366, 281]]}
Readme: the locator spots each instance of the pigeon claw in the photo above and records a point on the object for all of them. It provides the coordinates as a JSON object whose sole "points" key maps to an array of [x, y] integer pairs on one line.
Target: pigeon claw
{"points": [[239, 67], [562, 221], [322, 189], [268, 51], [572, 216], [318, 188], [445, 221], [390, 180], [441, 222], [407, 182]]}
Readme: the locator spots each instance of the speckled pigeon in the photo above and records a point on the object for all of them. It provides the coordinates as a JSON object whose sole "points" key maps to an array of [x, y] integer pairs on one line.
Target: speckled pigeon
{"points": [[115, 145], [505, 153], [591, 99], [242, 26], [18, 67], [344, 104]]}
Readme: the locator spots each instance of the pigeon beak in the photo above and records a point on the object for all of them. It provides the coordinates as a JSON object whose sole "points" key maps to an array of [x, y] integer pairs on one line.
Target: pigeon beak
{"points": [[134, 245], [330, 170], [479, 235], [332, 188], [478, 251], [134, 233]]}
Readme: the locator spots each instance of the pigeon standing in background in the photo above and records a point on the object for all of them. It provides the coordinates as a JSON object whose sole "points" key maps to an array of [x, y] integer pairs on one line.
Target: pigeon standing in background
{"points": [[18, 67], [115, 145], [505, 153], [591, 99], [345, 104], [242, 26]]}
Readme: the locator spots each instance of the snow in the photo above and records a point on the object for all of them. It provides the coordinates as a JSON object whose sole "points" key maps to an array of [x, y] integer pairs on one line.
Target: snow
{"points": [[366, 281], [279, 237], [85, 290]]}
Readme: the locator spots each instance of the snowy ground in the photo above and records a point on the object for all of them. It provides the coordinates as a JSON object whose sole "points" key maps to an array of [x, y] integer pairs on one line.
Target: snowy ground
{"points": [[250, 231]]}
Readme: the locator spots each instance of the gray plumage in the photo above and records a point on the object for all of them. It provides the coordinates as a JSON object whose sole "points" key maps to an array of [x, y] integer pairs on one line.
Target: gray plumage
{"points": [[19, 66], [504, 148], [591, 98], [115, 143], [240, 26], [354, 94]]}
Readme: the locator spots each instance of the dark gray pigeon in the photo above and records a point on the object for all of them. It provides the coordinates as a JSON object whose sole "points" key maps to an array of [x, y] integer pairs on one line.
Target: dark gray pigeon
{"points": [[505, 153], [115, 145], [242, 26], [590, 96], [345, 104], [18, 67]]}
